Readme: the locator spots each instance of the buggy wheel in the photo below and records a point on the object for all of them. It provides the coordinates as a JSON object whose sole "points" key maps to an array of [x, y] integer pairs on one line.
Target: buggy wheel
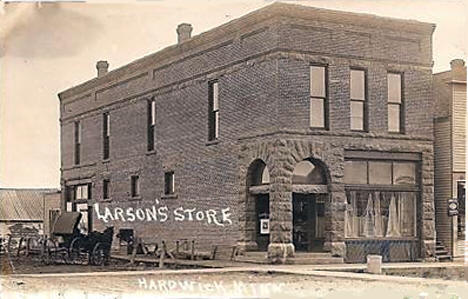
{"points": [[74, 250], [29, 245], [98, 255], [48, 251]]}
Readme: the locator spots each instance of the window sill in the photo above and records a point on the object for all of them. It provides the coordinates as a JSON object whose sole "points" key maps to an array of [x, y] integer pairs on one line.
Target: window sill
{"points": [[106, 200], [135, 198], [318, 129], [212, 142], [106, 160], [149, 153], [359, 131], [169, 196]]}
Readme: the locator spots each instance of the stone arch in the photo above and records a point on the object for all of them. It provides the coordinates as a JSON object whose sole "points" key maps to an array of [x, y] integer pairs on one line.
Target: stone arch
{"points": [[252, 157], [316, 153]]}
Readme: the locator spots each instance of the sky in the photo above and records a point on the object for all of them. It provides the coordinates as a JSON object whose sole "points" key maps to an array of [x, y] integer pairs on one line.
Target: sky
{"points": [[46, 48]]}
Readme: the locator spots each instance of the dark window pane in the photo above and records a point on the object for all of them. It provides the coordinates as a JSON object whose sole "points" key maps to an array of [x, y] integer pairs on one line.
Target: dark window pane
{"points": [[317, 81], [394, 88], [357, 115], [105, 189], [355, 172], [404, 173], [169, 184], [357, 85], [216, 124], [380, 173], [317, 113], [394, 118], [135, 182]]}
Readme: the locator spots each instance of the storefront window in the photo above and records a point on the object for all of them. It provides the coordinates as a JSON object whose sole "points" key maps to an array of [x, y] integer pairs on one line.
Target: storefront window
{"points": [[380, 173], [356, 172], [375, 214], [404, 173], [381, 199]]}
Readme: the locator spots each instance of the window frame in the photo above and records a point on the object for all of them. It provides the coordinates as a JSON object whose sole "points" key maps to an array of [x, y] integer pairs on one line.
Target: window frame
{"points": [[323, 98], [106, 189], [401, 105], [106, 136], [135, 186], [213, 114], [365, 116], [77, 142], [169, 183], [390, 187], [151, 124]]}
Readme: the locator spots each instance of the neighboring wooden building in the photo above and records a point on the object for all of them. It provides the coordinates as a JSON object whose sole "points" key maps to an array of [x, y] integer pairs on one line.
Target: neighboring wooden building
{"points": [[449, 148], [52, 202], [22, 211]]}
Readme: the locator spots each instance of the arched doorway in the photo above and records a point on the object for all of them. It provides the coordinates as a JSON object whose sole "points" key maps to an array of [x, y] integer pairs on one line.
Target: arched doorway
{"points": [[310, 192], [258, 180]]}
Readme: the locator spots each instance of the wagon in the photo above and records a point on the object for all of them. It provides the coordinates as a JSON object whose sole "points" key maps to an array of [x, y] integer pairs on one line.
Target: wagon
{"points": [[68, 244]]}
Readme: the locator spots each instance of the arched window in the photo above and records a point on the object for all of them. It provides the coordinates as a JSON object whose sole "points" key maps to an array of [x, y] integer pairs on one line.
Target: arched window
{"points": [[308, 173], [260, 174]]}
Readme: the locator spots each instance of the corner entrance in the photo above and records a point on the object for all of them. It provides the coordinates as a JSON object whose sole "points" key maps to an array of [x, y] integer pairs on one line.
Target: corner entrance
{"points": [[308, 222]]}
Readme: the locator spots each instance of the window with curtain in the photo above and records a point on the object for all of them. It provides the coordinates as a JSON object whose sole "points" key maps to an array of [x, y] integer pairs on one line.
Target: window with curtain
{"points": [[382, 198]]}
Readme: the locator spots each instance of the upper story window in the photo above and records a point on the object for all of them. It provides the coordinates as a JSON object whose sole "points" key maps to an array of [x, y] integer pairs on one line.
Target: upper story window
{"points": [[82, 192], [169, 183], [358, 100], [151, 124], [105, 189], [213, 118], [106, 135], [77, 142], [135, 186], [395, 103], [318, 97]]}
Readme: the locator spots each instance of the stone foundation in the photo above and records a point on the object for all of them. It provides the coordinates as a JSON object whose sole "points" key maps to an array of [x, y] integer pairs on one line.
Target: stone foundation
{"points": [[337, 249], [279, 252]]}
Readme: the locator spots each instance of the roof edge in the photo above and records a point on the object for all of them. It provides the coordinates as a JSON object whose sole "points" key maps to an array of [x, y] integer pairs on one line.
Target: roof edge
{"points": [[273, 10]]}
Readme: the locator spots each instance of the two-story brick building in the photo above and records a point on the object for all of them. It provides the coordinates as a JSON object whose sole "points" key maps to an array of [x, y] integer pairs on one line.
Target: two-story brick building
{"points": [[289, 129]]}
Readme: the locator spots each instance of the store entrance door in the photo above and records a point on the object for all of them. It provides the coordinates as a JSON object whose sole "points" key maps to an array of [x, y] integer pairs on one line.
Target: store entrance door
{"points": [[308, 222]]}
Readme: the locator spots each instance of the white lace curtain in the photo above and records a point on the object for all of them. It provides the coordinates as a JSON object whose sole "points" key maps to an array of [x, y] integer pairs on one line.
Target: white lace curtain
{"points": [[380, 214]]}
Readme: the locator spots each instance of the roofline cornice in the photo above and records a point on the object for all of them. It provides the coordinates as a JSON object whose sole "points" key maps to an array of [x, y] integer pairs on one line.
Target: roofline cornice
{"points": [[235, 26]]}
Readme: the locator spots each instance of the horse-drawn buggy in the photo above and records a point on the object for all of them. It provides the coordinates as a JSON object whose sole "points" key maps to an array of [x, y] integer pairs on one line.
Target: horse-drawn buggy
{"points": [[69, 245]]}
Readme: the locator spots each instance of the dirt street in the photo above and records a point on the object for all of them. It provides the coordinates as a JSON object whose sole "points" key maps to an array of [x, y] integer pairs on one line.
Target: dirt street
{"points": [[224, 285]]}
